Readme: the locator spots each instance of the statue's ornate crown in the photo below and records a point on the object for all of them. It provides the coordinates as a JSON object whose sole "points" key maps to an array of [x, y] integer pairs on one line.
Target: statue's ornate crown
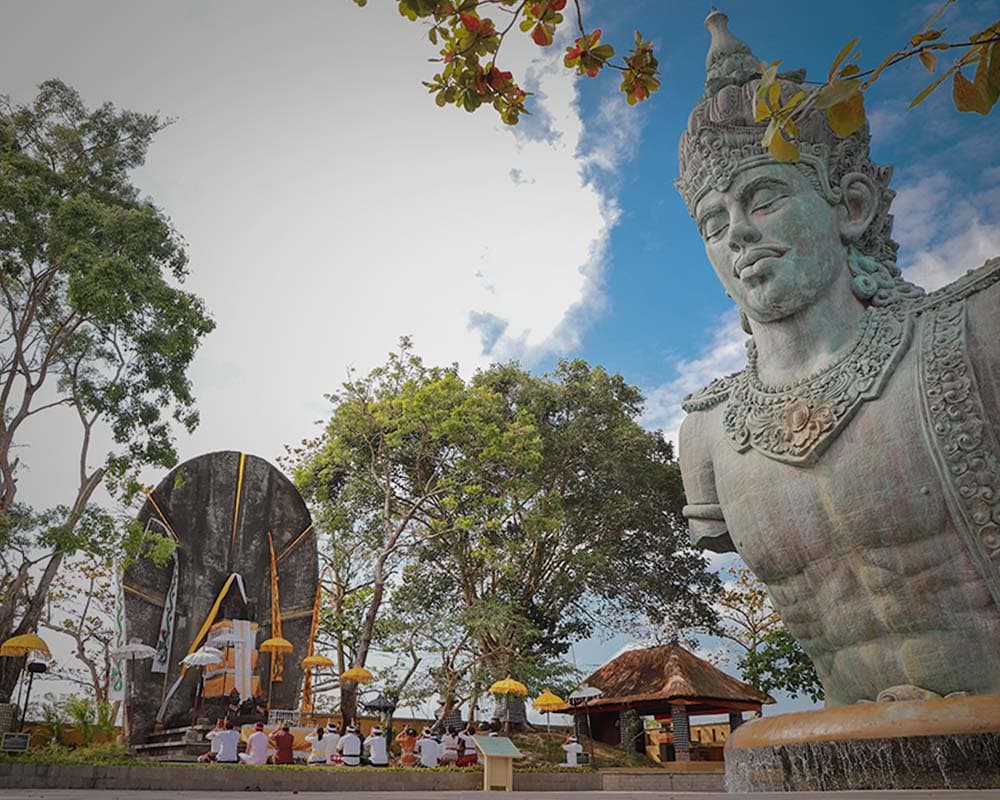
{"points": [[722, 137]]}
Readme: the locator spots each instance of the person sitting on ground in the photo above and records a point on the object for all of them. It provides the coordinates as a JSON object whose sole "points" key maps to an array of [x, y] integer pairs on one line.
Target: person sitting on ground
{"points": [[283, 743], [467, 752], [215, 743], [330, 741], [376, 748], [573, 749], [317, 754], [449, 747], [428, 749], [349, 747], [229, 745], [407, 741], [257, 745]]}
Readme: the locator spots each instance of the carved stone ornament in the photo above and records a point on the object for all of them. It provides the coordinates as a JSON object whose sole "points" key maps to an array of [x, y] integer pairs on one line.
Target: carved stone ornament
{"points": [[795, 423]]}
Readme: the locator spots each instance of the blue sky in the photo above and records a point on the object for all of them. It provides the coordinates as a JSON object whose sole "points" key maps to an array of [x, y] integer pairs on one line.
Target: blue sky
{"points": [[330, 207]]}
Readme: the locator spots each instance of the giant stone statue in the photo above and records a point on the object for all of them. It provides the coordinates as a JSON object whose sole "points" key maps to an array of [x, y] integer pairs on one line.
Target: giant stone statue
{"points": [[245, 565], [854, 463]]}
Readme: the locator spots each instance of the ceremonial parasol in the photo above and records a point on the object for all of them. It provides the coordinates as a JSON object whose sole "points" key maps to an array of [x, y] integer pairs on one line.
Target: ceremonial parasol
{"points": [[547, 702], [131, 652], [509, 686], [312, 662], [582, 696], [505, 687], [23, 645], [357, 674], [274, 646], [201, 658]]}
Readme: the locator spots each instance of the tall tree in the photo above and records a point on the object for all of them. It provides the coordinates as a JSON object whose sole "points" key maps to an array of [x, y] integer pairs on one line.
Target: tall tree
{"points": [[91, 319]]}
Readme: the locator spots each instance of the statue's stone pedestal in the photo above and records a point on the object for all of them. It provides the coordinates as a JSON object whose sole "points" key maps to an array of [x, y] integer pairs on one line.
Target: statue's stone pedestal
{"points": [[949, 743]]}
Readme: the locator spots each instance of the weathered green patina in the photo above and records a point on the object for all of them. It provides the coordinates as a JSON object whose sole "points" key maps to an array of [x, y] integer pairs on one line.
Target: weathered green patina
{"points": [[854, 463]]}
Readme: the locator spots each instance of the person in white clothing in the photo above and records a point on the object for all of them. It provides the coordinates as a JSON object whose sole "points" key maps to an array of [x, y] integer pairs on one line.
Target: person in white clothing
{"points": [[573, 748], [317, 753], [214, 743], [229, 745], [428, 749], [375, 746], [349, 747], [257, 745], [330, 740], [467, 753], [449, 748]]}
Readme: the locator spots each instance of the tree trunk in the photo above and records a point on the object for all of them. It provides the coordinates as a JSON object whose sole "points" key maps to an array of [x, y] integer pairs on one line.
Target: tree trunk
{"points": [[348, 705]]}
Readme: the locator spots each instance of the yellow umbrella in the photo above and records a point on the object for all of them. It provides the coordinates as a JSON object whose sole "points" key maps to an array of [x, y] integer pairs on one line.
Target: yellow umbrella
{"points": [[357, 674], [274, 645], [24, 644], [311, 662], [547, 702], [509, 686]]}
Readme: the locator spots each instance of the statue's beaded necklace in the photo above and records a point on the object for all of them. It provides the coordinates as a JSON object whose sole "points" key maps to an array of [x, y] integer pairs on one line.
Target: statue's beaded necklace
{"points": [[795, 422]]}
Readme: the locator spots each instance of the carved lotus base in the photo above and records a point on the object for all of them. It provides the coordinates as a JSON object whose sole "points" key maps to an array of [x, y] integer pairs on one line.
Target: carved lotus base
{"points": [[947, 743]]}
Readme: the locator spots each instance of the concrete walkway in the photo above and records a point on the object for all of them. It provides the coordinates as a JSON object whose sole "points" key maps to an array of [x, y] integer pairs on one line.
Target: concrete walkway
{"points": [[106, 794]]}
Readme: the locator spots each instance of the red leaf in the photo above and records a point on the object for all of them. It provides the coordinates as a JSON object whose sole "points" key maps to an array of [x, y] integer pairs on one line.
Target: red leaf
{"points": [[470, 22], [541, 36]]}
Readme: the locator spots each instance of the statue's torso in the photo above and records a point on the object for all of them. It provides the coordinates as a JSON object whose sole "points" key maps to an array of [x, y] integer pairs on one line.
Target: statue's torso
{"points": [[861, 552]]}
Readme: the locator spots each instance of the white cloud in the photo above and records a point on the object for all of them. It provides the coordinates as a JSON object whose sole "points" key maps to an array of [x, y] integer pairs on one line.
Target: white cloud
{"points": [[943, 233], [725, 353], [330, 207]]}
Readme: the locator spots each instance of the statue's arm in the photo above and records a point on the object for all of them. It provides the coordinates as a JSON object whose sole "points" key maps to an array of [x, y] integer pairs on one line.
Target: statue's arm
{"points": [[703, 512], [984, 333]]}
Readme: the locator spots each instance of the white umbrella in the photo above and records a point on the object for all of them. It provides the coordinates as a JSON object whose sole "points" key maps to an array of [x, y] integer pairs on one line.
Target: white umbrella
{"points": [[201, 657], [581, 696], [131, 652]]}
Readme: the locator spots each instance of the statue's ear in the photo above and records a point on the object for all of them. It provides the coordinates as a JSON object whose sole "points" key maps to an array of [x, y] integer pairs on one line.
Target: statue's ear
{"points": [[859, 204]]}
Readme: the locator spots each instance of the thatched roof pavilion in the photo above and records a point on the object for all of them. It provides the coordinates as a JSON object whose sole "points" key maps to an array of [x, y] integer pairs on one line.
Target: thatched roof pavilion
{"points": [[666, 682]]}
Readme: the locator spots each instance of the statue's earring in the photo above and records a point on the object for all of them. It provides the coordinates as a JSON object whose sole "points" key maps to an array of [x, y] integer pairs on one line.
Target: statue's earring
{"points": [[863, 270], [745, 322]]}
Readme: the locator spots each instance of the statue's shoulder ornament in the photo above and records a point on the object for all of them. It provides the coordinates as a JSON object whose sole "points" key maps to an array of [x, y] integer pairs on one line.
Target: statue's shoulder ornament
{"points": [[972, 282], [964, 442], [708, 397]]}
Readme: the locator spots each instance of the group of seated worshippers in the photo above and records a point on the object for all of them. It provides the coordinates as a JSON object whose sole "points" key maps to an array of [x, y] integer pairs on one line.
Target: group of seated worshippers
{"points": [[452, 746]]}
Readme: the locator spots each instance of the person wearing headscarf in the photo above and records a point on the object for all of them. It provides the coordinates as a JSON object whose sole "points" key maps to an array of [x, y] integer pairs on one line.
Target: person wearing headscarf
{"points": [[376, 748], [573, 749], [215, 741], [257, 746], [428, 749], [317, 752], [349, 747]]}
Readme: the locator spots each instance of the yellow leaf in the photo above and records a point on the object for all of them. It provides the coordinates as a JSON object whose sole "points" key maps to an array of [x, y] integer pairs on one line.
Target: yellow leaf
{"points": [[927, 90], [836, 92], [761, 111], [968, 96], [783, 150], [794, 100], [774, 95], [928, 59], [842, 55], [849, 70], [845, 118], [993, 70], [982, 81], [925, 36]]}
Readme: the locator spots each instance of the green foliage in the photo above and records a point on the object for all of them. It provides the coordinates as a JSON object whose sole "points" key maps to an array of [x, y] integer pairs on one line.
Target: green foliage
{"points": [[779, 664], [109, 753], [470, 46], [842, 95], [515, 508]]}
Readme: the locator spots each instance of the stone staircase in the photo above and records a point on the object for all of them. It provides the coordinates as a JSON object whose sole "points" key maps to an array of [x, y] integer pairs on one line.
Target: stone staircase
{"points": [[178, 745]]}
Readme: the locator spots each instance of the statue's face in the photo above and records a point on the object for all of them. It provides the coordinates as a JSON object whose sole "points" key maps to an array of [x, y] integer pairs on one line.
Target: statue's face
{"points": [[774, 241]]}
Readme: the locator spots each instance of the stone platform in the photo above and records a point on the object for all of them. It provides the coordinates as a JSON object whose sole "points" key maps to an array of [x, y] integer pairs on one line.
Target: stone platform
{"points": [[946, 743]]}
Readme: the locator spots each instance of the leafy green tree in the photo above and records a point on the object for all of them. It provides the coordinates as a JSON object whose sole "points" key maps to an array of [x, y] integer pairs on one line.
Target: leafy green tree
{"points": [[91, 319], [779, 663]]}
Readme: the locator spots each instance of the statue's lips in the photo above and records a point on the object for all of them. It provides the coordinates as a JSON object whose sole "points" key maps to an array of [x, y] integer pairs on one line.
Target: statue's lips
{"points": [[749, 264]]}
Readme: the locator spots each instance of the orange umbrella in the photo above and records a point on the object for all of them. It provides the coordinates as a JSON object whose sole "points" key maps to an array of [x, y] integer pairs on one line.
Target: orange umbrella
{"points": [[357, 674], [509, 686], [23, 645], [274, 645]]}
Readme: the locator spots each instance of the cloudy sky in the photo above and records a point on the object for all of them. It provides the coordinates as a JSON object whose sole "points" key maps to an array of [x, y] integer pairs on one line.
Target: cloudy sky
{"points": [[330, 207]]}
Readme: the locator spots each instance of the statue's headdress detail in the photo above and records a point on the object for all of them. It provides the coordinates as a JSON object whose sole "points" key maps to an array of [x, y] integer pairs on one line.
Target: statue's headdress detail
{"points": [[722, 139]]}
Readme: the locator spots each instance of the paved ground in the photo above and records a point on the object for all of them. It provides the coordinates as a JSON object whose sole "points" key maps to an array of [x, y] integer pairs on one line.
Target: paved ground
{"points": [[107, 794]]}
